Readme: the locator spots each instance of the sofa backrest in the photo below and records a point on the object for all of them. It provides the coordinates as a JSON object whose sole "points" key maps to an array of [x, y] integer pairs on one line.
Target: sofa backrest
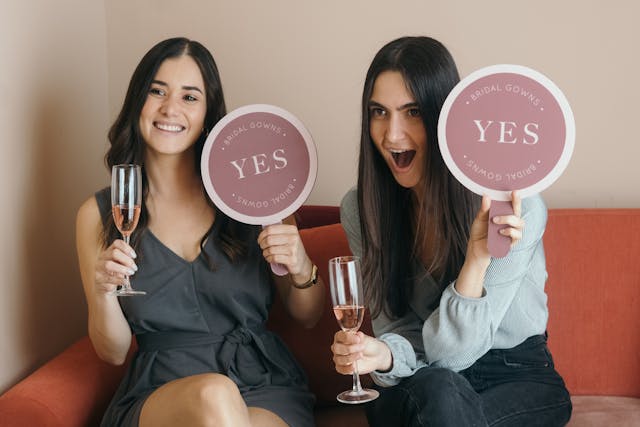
{"points": [[593, 260]]}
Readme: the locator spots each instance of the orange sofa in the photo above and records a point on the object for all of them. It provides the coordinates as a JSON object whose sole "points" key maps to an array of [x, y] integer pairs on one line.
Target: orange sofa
{"points": [[593, 258]]}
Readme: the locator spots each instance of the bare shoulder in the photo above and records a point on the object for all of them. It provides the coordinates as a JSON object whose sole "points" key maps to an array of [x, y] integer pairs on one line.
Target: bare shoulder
{"points": [[88, 221], [88, 212]]}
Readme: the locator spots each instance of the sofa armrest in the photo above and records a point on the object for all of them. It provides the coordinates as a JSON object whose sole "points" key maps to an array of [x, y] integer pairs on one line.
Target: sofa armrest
{"points": [[73, 389]]}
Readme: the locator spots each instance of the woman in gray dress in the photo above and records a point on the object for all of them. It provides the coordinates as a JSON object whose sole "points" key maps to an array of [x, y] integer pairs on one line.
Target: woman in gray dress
{"points": [[204, 356]]}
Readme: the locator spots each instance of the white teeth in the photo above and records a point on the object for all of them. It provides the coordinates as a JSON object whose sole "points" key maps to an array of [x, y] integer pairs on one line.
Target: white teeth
{"points": [[169, 128], [398, 151]]}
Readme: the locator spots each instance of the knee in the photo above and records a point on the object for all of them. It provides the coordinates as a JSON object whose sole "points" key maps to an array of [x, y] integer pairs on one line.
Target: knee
{"points": [[441, 382], [444, 394], [217, 400]]}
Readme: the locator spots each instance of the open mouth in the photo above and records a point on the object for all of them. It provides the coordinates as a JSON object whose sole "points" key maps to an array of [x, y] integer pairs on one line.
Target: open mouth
{"points": [[169, 127], [403, 159]]}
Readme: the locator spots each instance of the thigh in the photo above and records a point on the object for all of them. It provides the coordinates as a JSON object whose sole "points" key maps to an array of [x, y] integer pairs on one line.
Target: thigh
{"points": [[530, 404], [431, 397], [293, 405], [260, 417], [193, 401], [520, 386]]}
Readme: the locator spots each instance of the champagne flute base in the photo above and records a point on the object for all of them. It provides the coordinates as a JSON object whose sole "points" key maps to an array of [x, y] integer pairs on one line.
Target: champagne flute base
{"points": [[354, 397], [126, 292]]}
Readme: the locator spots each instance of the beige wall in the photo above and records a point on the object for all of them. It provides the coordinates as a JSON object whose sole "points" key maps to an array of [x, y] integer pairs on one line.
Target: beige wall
{"points": [[310, 57], [53, 117], [65, 68]]}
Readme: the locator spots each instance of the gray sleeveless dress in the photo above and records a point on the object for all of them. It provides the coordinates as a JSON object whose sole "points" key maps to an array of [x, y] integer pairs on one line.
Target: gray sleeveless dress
{"points": [[194, 320]]}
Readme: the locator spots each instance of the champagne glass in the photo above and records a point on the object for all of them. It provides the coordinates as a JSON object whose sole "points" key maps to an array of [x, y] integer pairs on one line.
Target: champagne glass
{"points": [[126, 201], [345, 281]]}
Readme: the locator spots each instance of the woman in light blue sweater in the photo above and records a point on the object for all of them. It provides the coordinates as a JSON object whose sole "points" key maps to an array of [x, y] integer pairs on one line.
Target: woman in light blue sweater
{"points": [[460, 337]]}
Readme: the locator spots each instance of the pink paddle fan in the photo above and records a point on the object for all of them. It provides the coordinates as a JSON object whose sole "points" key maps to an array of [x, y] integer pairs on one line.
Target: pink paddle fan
{"points": [[259, 164], [505, 128]]}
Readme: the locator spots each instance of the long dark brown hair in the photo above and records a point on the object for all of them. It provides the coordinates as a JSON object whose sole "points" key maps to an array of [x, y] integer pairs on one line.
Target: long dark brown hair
{"points": [[393, 223], [128, 145]]}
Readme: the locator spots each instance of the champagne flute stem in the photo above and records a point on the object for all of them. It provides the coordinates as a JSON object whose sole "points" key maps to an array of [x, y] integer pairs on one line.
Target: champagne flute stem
{"points": [[126, 285], [357, 388]]}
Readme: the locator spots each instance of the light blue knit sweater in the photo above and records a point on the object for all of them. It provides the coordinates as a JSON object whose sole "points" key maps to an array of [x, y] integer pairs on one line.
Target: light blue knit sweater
{"points": [[460, 329]]}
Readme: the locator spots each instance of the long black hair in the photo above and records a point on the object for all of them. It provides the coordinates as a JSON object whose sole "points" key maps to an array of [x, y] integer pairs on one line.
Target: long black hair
{"points": [[394, 224], [128, 145]]}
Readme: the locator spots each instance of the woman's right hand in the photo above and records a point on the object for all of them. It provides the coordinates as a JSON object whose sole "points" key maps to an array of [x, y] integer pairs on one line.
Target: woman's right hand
{"points": [[113, 264], [370, 353]]}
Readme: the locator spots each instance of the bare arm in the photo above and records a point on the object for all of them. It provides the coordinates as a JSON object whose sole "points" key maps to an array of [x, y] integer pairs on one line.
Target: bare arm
{"points": [[102, 270], [282, 244], [471, 277]]}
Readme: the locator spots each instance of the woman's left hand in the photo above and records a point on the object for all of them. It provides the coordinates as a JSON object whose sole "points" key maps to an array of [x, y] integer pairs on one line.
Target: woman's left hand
{"points": [[281, 244]]}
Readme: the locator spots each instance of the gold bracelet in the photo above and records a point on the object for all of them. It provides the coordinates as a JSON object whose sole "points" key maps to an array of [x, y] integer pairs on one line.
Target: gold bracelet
{"points": [[312, 280]]}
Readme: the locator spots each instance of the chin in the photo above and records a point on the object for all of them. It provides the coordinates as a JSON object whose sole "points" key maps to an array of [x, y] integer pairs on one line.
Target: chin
{"points": [[407, 183]]}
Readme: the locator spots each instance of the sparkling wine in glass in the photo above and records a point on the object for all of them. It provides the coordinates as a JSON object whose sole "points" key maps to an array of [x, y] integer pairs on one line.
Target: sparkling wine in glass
{"points": [[345, 282], [126, 201]]}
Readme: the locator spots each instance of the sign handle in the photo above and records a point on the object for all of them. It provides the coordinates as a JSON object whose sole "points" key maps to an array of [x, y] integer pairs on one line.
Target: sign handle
{"points": [[278, 269], [499, 245]]}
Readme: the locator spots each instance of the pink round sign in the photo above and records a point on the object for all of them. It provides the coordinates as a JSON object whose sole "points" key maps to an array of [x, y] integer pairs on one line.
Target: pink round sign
{"points": [[259, 164], [504, 128]]}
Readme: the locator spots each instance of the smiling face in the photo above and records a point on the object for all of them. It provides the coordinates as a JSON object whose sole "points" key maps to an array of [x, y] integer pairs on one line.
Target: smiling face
{"points": [[173, 114], [397, 129]]}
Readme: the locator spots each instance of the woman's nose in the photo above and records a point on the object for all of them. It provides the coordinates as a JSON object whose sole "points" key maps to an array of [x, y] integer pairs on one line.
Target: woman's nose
{"points": [[396, 128], [169, 106]]}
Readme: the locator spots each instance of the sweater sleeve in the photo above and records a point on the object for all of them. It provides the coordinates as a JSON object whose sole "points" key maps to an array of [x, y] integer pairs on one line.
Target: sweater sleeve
{"points": [[402, 336], [462, 329], [350, 220]]}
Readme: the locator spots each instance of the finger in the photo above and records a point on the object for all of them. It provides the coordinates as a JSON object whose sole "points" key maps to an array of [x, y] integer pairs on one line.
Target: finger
{"points": [[513, 233], [510, 220], [107, 281], [344, 369], [125, 248], [122, 254], [485, 205], [346, 338], [270, 240], [347, 360], [516, 203], [274, 255], [276, 229], [115, 268], [114, 272], [345, 350]]}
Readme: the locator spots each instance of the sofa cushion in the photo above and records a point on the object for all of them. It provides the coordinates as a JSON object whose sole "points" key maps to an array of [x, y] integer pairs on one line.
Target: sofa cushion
{"points": [[599, 411]]}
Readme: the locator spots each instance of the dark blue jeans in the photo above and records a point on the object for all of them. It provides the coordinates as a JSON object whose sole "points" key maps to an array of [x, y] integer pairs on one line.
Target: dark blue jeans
{"points": [[516, 387]]}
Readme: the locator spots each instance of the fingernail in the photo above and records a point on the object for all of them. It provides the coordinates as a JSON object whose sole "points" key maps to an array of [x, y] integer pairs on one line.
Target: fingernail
{"points": [[133, 254], [130, 272], [135, 267]]}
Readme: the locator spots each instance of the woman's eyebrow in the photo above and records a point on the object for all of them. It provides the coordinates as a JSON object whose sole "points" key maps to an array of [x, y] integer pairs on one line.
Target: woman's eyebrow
{"points": [[400, 108], [196, 88], [161, 83]]}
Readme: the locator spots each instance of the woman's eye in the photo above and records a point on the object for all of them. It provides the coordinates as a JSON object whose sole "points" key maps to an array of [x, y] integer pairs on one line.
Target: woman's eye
{"points": [[156, 91], [377, 112], [190, 98], [414, 112]]}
